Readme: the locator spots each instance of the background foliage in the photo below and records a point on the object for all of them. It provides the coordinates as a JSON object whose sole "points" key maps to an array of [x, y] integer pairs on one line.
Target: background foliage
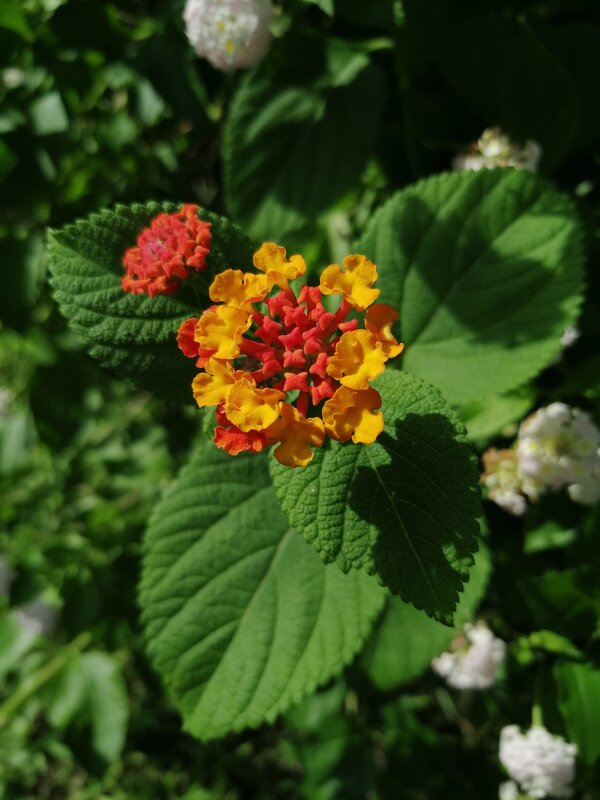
{"points": [[105, 102]]}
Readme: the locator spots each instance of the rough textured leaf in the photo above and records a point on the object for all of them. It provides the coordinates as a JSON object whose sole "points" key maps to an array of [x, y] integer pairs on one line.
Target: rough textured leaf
{"points": [[579, 702], [299, 132], [406, 640], [404, 508], [242, 619], [134, 335], [486, 271]]}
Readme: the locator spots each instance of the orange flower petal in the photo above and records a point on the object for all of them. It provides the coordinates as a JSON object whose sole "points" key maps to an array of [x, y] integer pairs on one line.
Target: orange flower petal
{"points": [[297, 435], [237, 288], [272, 259], [251, 409], [354, 283], [349, 414], [379, 320], [212, 387], [220, 329], [358, 359]]}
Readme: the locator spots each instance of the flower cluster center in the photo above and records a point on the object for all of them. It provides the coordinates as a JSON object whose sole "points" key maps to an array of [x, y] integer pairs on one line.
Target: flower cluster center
{"points": [[293, 343]]}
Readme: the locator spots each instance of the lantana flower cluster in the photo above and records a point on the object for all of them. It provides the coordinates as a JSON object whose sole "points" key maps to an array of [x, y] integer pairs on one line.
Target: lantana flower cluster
{"points": [[230, 34], [540, 764], [495, 149], [166, 252], [282, 369], [557, 447], [474, 659]]}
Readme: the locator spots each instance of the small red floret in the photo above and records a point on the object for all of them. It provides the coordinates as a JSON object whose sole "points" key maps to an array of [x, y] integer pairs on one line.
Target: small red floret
{"points": [[166, 251]]}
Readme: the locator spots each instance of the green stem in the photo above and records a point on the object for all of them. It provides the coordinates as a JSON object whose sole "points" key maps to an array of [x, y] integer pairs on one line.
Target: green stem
{"points": [[43, 676], [537, 717]]}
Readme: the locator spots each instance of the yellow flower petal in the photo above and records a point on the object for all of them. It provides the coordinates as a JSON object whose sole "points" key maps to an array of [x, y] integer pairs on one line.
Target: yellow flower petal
{"points": [[220, 329], [212, 386], [297, 435], [271, 259], [379, 320], [349, 414], [237, 288], [354, 283], [251, 409], [358, 359]]}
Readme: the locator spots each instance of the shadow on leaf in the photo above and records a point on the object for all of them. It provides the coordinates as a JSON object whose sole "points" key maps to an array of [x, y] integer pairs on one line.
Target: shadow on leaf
{"points": [[412, 495]]}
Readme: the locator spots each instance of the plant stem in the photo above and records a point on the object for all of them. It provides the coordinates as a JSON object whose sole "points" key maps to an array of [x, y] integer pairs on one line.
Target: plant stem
{"points": [[42, 676], [537, 717]]}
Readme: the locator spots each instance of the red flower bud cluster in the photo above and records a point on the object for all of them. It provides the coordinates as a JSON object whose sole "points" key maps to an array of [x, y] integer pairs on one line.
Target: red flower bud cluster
{"points": [[166, 251]]}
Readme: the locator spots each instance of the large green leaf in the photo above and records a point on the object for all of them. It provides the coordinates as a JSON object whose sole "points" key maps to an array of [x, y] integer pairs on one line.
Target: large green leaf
{"points": [[496, 415], [542, 92], [405, 508], [242, 619], [486, 271], [134, 335], [579, 702], [298, 135], [406, 640]]}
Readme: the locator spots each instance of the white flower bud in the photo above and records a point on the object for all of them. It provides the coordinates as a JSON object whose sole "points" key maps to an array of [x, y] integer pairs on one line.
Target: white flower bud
{"points": [[495, 149], [230, 34], [473, 660], [559, 447], [542, 764]]}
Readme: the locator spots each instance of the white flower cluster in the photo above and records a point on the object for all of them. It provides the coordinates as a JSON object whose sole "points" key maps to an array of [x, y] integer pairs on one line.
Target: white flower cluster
{"points": [[542, 764], [495, 149], [230, 34], [557, 447], [503, 480], [473, 660]]}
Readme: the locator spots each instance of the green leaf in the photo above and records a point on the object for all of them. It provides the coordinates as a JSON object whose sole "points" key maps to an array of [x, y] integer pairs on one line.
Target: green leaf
{"points": [[405, 508], [242, 619], [48, 114], [325, 5], [485, 269], [534, 96], [490, 417], [406, 640], [8, 159], [579, 703], [90, 693], [134, 335], [15, 641], [12, 18], [298, 135], [23, 276], [543, 92]]}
